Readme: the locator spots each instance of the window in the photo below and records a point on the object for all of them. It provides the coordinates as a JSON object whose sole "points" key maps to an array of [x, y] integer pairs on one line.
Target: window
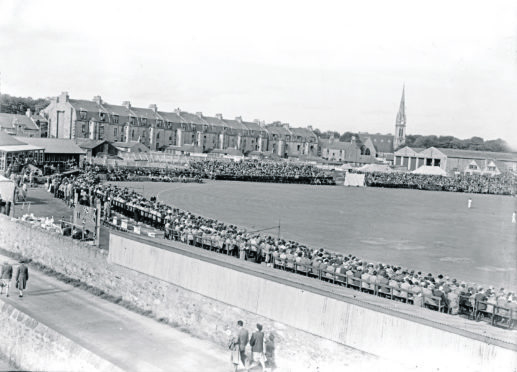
{"points": [[82, 115], [132, 120], [101, 132], [84, 128], [157, 136], [102, 116], [115, 119], [115, 132], [401, 132], [133, 134], [159, 122], [473, 166], [144, 121], [491, 169], [436, 162]]}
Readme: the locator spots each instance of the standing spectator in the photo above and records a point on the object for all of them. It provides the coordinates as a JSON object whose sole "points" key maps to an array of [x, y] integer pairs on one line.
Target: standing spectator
{"points": [[243, 337], [6, 277], [257, 348], [21, 278]]}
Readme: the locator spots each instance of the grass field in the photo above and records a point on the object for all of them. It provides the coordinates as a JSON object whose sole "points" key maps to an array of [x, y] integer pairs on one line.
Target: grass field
{"points": [[421, 230]]}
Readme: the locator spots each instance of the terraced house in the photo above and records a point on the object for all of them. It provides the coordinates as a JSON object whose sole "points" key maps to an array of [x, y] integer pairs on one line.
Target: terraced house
{"points": [[158, 130]]}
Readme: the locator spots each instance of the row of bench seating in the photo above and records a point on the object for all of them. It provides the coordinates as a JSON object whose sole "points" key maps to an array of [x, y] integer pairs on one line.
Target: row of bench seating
{"points": [[473, 309]]}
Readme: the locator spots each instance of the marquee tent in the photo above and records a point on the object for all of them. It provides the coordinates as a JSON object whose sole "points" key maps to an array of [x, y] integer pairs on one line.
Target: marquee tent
{"points": [[430, 170], [375, 168]]}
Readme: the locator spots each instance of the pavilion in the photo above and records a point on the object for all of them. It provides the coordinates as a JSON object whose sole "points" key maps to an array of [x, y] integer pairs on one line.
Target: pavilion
{"points": [[13, 151]]}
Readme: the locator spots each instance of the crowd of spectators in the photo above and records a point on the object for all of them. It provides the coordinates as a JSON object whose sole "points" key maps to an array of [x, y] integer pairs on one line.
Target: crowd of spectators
{"points": [[503, 184], [436, 292], [262, 171]]}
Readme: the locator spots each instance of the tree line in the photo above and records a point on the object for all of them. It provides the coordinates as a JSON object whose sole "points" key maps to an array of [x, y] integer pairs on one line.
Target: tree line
{"points": [[19, 105]]}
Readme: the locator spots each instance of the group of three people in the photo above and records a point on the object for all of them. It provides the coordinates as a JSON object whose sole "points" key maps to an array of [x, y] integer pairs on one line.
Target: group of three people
{"points": [[262, 349], [6, 275]]}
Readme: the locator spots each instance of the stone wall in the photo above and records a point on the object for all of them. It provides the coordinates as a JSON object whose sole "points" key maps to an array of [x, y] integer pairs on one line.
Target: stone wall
{"points": [[198, 315], [31, 345], [310, 309]]}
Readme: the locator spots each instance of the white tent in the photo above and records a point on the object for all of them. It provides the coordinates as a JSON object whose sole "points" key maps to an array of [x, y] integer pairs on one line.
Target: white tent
{"points": [[375, 168], [430, 170], [6, 189]]}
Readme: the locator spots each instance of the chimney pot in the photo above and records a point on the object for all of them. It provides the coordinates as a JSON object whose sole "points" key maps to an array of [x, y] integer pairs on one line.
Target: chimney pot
{"points": [[219, 116], [98, 100], [199, 114], [153, 107], [127, 104]]}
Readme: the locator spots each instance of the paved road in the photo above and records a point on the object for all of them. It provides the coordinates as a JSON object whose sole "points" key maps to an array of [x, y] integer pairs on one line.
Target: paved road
{"points": [[129, 340]]}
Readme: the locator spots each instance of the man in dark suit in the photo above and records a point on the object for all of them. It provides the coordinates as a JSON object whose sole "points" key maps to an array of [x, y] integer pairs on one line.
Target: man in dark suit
{"points": [[257, 348], [243, 337], [21, 278], [5, 277]]}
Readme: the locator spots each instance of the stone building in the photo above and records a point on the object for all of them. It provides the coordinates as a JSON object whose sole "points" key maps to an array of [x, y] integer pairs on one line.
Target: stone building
{"points": [[97, 120], [456, 161]]}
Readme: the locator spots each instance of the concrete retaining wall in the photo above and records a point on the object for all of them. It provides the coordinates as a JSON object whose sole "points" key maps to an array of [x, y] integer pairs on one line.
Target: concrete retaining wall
{"points": [[33, 346], [197, 314], [372, 331]]}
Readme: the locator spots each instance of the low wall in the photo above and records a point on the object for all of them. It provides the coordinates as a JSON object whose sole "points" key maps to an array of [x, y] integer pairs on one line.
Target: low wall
{"points": [[196, 314], [307, 309], [33, 346]]}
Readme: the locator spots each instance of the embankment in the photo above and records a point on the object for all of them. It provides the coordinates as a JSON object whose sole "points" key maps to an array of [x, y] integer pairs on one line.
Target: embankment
{"points": [[191, 312], [33, 346]]}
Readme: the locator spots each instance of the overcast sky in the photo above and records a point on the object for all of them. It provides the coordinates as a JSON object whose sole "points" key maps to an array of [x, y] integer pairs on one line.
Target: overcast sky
{"points": [[333, 65]]}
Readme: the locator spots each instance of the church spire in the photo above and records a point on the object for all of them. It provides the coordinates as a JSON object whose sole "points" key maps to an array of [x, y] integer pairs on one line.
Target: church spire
{"points": [[400, 123], [401, 116]]}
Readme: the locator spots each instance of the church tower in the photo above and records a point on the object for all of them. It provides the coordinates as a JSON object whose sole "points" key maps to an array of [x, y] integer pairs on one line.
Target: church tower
{"points": [[400, 124]]}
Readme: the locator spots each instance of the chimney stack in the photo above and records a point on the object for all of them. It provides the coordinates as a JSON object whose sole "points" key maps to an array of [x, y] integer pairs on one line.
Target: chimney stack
{"points": [[153, 107], [28, 112], [126, 104], [63, 97], [199, 114], [239, 119], [177, 111], [97, 100], [219, 116]]}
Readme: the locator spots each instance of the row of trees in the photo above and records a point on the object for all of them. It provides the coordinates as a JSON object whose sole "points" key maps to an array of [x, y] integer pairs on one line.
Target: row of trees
{"points": [[19, 105], [450, 142]]}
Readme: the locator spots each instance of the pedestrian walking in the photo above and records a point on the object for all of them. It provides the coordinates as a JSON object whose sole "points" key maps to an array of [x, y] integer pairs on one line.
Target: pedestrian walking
{"points": [[21, 278], [469, 203], [269, 346], [233, 345], [243, 338], [257, 348], [6, 277]]}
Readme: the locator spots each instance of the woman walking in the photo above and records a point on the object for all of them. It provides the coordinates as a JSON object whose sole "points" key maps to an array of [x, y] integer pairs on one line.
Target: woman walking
{"points": [[21, 278]]}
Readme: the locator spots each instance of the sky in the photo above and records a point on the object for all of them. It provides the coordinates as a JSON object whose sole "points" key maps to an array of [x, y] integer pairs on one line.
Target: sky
{"points": [[333, 65]]}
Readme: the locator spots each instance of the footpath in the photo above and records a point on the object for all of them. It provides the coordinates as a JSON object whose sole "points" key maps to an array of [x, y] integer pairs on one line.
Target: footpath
{"points": [[128, 340]]}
